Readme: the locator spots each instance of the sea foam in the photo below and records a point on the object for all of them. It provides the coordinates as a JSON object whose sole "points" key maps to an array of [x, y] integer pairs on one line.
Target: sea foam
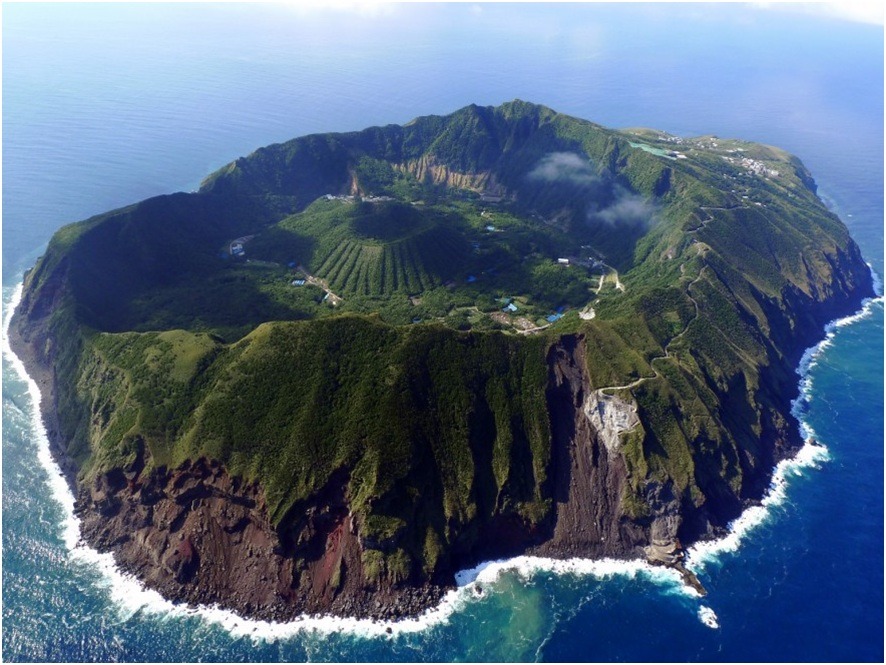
{"points": [[131, 597], [810, 456], [708, 617]]}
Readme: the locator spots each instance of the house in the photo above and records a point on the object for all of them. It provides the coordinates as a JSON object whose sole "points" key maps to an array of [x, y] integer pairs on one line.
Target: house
{"points": [[237, 248], [510, 308], [563, 262], [298, 282]]}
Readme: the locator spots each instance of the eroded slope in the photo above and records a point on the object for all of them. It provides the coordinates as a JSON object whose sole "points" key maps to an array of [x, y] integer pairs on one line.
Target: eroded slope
{"points": [[221, 419]]}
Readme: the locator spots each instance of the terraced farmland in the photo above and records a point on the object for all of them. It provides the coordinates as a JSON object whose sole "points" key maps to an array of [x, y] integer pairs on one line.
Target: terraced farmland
{"points": [[411, 265], [377, 249]]}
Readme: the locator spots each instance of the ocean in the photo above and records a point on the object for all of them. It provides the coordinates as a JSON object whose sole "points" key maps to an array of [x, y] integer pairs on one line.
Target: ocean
{"points": [[104, 105]]}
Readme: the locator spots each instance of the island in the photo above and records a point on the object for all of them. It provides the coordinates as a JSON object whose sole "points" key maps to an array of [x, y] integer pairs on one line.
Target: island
{"points": [[353, 364]]}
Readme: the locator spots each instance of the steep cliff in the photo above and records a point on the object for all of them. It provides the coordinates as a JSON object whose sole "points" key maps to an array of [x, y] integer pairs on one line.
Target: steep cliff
{"points": [[380, 394]]}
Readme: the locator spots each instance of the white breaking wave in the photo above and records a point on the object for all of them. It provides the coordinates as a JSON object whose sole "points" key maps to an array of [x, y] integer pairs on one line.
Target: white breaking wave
{"points": [[57, 483], [810, 456], [527, 566], [708, 617], [813, 353], [131, 596], [878, 283], [127, 593], [704, 552]]}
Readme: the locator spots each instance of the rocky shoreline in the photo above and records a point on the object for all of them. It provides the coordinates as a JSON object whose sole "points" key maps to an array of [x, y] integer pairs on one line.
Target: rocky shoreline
{"points": [[201, 537], [42, 374], [156, 522], [120, 515]]}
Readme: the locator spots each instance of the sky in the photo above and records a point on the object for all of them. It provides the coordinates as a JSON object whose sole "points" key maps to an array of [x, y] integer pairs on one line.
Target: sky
{"points": [[862, 11]]}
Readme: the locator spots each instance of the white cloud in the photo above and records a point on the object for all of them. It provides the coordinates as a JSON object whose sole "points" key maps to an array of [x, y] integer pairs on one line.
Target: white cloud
{"points": [[564, 166], [629, 209], [859, 11]]}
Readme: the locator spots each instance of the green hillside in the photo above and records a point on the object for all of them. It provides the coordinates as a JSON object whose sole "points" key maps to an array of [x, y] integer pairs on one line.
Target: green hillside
{"points": [[409, 307]]}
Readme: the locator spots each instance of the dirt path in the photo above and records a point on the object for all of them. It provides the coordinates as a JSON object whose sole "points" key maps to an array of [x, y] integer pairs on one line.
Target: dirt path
{"points": [[667, 349], [710, 218], [335, 299], [618, 284], [532, 331]]}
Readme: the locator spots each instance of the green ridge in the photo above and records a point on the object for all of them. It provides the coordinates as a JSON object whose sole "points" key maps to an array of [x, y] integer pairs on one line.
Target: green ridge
{"points": [[172, 343]]}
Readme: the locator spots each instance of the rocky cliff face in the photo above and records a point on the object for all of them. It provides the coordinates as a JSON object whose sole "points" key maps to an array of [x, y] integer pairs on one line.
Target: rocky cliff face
{"points": [[428, 169], [550, 458], [588, 475], [198, 535]]}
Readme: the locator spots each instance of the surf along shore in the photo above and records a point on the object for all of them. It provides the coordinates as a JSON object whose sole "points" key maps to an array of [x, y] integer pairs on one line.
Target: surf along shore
{"points": [[128, 592]]}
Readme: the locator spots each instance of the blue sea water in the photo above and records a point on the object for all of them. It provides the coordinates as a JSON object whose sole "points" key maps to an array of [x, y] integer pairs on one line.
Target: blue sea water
{"points": [[104, 105]]}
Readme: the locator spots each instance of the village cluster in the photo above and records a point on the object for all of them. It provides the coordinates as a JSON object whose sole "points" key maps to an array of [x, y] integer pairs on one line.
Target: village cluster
{"points": [[752, 166]]}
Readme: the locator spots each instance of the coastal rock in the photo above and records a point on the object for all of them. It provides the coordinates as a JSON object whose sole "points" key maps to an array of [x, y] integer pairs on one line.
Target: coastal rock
{"points": [[205, 538], [350, 466], [588, 476]]}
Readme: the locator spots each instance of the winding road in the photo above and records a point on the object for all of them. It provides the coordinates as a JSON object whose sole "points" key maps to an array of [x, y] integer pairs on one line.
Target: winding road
{"points": [[667, 348]]}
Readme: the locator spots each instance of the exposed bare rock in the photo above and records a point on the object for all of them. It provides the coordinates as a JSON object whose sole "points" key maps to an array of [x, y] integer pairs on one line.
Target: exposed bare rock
{"points": [[198, 535], [588, 475], [610, 417], [428, 169]]}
